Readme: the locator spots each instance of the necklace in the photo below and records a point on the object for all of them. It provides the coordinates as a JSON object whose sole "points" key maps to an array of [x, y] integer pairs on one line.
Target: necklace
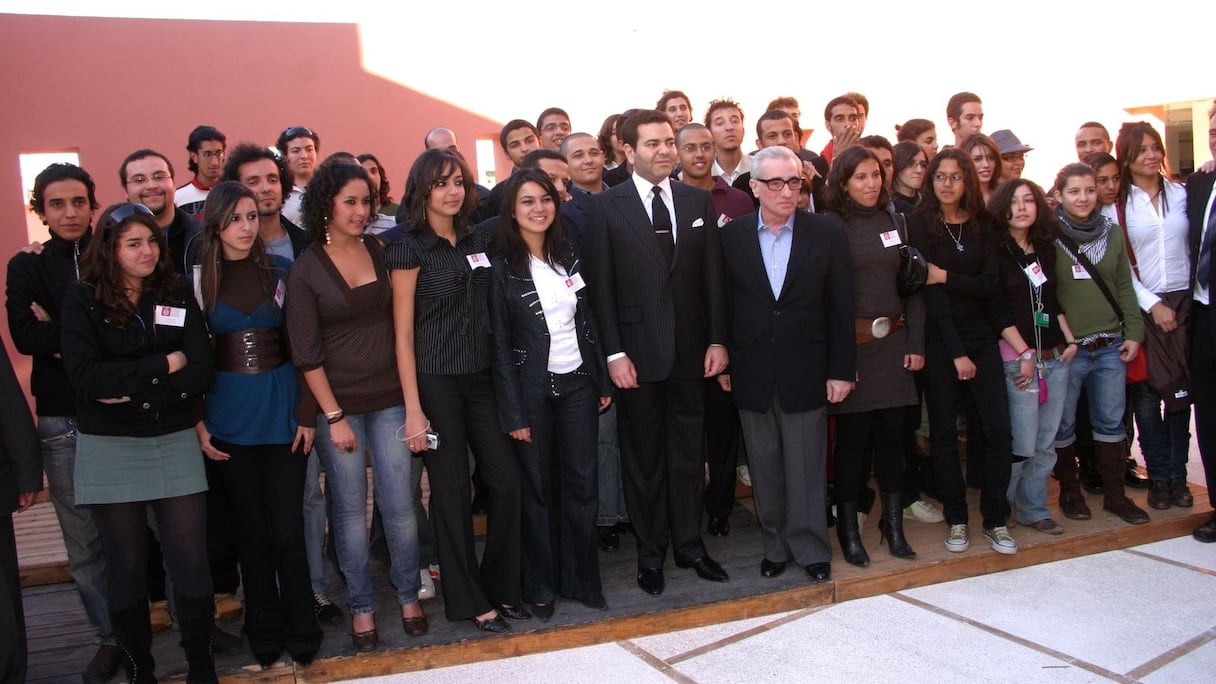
{"points": [[958, 241]]}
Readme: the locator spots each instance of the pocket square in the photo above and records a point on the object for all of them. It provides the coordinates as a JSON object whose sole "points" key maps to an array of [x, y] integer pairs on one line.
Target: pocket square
{"points": [[722, 220], [698, 223]]}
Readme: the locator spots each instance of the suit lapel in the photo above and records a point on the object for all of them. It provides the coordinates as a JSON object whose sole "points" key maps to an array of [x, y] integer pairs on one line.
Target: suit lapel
{"points": [[630, 205], [685, 216], [800, 247], [755, 253]]}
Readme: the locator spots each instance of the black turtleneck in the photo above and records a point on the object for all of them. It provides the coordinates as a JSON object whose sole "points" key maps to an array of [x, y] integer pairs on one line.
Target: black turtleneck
{"points": [[44, 278]]}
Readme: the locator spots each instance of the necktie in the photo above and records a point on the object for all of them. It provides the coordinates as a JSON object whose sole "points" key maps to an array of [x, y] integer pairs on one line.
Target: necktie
{"points": [[662, 225], [1203, 272]]}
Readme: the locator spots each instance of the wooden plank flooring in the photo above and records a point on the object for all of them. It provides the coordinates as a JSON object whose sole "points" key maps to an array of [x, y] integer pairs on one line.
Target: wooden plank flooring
{"points": [[60, 636]]}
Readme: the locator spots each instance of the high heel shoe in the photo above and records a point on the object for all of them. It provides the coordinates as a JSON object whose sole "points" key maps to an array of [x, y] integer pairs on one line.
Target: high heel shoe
{"points": [[849, 534], [891, 527]]}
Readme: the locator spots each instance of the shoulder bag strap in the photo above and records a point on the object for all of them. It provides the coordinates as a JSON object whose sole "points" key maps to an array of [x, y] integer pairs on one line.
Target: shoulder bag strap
{"points": [[1075, 252]]}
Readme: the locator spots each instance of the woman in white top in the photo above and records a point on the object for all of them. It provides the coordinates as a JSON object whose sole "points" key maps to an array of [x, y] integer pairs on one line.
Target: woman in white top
{"points": [[551, 382], [1152, 209]]}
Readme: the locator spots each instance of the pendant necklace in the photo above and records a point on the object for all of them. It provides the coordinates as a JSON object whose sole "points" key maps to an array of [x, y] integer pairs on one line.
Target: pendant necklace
{"points": [[958, 241]]}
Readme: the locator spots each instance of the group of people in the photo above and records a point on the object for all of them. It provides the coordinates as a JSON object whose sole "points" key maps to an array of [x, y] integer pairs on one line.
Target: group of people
{"points": [[577, 349]]}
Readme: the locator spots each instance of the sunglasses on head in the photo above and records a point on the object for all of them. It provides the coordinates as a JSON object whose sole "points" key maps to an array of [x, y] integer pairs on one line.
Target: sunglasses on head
{"points": [[297, 131], [128, 210]]}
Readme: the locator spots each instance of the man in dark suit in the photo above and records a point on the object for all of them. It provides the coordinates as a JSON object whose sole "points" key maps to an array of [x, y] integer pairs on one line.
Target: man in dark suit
{"points": [[789, 280], [1200, 195], [655, 268]]}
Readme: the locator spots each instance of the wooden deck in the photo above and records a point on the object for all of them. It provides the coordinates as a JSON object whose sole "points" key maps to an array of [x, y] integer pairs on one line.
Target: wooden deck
{"points": [[60, 635]]}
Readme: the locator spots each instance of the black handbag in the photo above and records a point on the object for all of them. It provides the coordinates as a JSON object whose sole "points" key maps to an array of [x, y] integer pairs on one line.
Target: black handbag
{"points": [[913, 268]]}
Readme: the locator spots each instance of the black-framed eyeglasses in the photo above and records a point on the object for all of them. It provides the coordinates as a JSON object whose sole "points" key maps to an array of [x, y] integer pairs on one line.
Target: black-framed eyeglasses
{"points": [[944, 178], [126, 211], [775, 184], [297, 131]]}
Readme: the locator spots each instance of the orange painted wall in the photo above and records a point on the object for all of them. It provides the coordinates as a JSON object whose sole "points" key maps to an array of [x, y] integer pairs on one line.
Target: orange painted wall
{"points": [[111, 86]]}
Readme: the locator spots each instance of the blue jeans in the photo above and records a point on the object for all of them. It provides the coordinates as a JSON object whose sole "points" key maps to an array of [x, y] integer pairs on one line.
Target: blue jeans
{"points": [[346, 478], [1034, 428], [1165, 440], [1104, 376], [611, 493], [86, 561], [314, 524]]}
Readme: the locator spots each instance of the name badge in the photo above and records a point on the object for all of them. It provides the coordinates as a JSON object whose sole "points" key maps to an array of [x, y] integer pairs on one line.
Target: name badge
{"points": [[280, 293], [575, 282], [1041, 319], [1036, 275], [170, 315], [478, 260], [890, 238], [1079, 272]]}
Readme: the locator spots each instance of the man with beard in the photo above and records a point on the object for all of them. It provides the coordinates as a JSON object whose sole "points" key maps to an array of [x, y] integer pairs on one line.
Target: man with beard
{"points": [[258, 169], [147, 177]]}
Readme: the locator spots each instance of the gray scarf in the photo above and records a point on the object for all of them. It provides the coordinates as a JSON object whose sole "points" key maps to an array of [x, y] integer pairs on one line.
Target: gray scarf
{"points": [[1089, 235]]}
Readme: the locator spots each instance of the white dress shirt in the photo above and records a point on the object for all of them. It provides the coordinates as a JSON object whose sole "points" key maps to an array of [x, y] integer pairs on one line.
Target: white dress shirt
{"points": [[646, 192], [744, 166], [1159, 241], [1201, 293]]}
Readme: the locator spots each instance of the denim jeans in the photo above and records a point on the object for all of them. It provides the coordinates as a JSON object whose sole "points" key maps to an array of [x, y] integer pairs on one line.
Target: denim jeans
{"points": [[346, 478], [611, 493], [314, 524], [1104, 376], [1034, 427], [1165, 439], [86, 561]]}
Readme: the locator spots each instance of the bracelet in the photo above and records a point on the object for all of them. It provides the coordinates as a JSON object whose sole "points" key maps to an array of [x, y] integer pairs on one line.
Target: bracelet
{"points": [[424, 431], [1027, 355], [334, 417], [333, 414], [1066, 344]]}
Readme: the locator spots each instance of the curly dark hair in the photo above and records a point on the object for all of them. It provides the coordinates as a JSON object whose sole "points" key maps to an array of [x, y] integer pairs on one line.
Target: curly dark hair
{"points": [[248, 152], [1042, 233], [100, 269], [385, 188], [972, 202], [60, 172], [836, 193], [318, 200], [556, 249], [430, 168]]}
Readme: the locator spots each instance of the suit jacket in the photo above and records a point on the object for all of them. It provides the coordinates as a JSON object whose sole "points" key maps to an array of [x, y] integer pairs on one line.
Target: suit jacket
{"points": [[20, 449], [1198, 189], [521, 343], [789, 346], [662, 317]]}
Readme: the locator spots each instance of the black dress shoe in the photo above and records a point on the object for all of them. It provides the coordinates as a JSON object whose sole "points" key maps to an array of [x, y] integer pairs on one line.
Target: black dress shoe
{"points": [[819, 572], [625, 527], [651, 580], [1133, 478], [719, 527], [513, 612], [544, 611], [1206, 532], [496, 624], [707, 569], [607, 538], [104, 664], [770, 568]]}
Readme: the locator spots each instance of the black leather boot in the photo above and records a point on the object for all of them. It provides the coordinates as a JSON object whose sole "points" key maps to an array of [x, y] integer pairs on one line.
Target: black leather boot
{"points": [[197, 619], [134, 634], [849, 534], [891, 527]]}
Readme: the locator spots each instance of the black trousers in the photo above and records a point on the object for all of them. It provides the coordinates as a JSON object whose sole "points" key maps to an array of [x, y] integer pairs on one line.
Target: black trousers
{"points": [[13, 648], [986, 390], [223, 545], [559, 470], [265, 484], [723, 442], [883, 428], [1203, 390], [463, 411], [660, 426]]}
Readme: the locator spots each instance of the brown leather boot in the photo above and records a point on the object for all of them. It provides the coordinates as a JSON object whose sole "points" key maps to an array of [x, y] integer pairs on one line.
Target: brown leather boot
{"points": [[1112, 463], [1072, 501]]}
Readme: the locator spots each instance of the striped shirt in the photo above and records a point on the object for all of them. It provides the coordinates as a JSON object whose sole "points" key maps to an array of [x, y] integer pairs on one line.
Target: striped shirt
{"points": [[452, 301]]}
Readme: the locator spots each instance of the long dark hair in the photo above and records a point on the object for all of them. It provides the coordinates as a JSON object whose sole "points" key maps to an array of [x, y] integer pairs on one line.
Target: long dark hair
{"points": [[836, 192], [554, 249], [980, 140], [903, 155], [430, 168], [1127, 148], [385, 187], [972, 201], [1042, 232], [99, 266], [217, 212]]}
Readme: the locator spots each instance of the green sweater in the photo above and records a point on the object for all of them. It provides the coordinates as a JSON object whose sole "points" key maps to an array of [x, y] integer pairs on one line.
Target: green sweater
{"points": [[1087, 310]]}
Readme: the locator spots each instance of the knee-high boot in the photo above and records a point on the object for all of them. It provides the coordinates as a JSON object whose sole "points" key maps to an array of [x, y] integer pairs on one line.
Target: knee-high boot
{"points": [[891, 526], [197, 618], [1072, 501], [134, 633], [1112, 462], [849, 534]]}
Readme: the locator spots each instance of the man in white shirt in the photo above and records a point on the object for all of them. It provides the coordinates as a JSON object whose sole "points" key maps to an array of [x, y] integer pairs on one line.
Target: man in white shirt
{"points": [[725, 121], [299, 145], [206, 146]]}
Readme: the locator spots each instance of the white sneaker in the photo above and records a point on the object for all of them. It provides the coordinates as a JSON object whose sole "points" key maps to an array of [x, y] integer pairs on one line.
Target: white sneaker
{"points": [[923, 511], [958, 541], [428, 585], [745, 475], [1001, 541]]}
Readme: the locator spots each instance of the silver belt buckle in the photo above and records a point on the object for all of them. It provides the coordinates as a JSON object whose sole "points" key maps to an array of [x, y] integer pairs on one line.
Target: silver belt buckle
{"points": [[880, 327]]}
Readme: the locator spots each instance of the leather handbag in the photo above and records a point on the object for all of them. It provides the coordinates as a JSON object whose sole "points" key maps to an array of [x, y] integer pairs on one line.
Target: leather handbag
{"points": [[913, 268]]}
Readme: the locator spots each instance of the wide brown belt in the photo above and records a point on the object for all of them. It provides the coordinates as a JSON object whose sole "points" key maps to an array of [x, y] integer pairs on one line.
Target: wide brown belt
{"points": [[252, 352], [870, 329]]}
